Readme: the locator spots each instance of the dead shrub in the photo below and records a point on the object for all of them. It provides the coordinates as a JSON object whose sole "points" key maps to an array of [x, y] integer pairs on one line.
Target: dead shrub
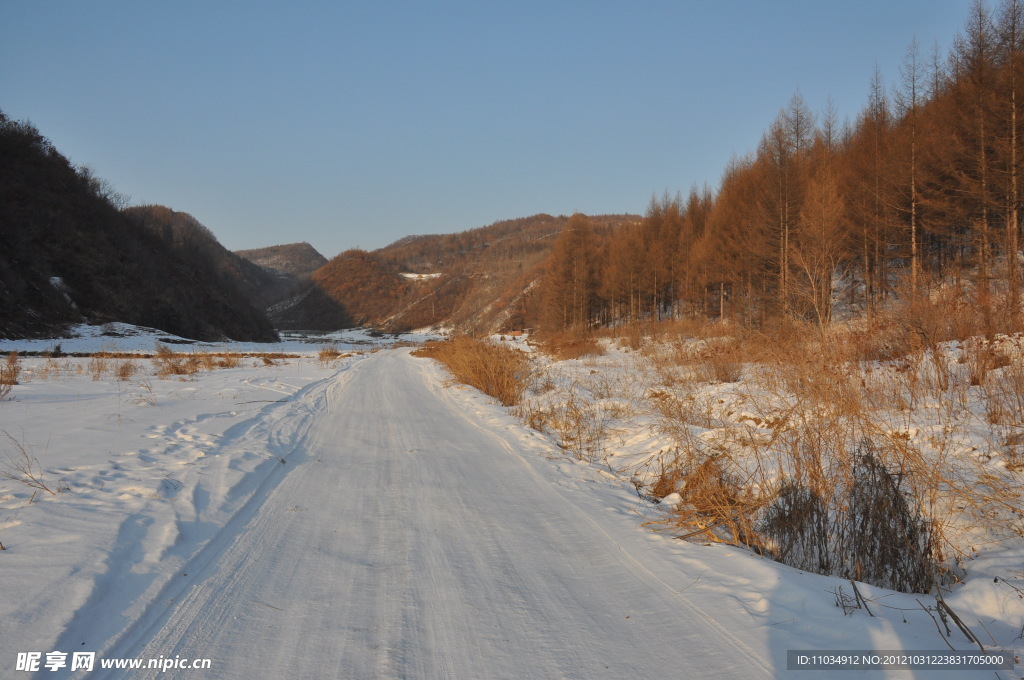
{"points": [[888, 542], [680, 408], [631, 336], [580, 424], [981, 356], [719, 362], [716, 360], [56, 370], [1003, 397], [125, 369], [497, 370], [145, 395], [946, 313], [229, 360], [169, 363], [23, 467], [796, 528], [98, 366], [814, 384], [889, 340], [867, 527], [668, 480], [10, 370], [536, 417], [717, 505], [328, 353], [572, 345], [692, 327]]}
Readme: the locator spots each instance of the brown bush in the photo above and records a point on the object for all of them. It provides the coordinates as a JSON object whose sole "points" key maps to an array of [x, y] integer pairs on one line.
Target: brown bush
{"points": [[9, 372], [328, 353], [169, 363], [667, 481], [572, 345], [502, 372], [721, 362], [98, 366], [125, 369], [718, 506]]}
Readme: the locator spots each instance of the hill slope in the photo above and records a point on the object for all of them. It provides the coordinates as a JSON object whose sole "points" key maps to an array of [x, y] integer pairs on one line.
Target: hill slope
{"points": [[67, 254], [291, 260], [476, 280]]}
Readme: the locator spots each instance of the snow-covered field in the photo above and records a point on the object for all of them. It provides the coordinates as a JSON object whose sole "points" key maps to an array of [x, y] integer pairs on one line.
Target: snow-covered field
{"points": [[121, 337], [364, 518]]}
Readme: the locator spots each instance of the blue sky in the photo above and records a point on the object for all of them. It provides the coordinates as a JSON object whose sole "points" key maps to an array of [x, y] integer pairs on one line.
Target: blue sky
{"points": [[353, 124]]}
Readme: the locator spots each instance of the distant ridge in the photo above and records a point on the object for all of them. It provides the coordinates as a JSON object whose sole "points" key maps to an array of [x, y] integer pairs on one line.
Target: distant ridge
{"points": [[293, 259], [479, 279]]}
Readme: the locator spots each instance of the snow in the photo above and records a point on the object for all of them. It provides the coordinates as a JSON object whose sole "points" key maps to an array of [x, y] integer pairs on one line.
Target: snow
{"points": [[421, 277], [120, 337], [364, 518]]}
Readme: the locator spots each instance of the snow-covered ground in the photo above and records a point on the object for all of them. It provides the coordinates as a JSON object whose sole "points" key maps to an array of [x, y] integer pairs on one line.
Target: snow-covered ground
{"points": [[119, 337], [608, 411], [421, 277], [363, 518]]}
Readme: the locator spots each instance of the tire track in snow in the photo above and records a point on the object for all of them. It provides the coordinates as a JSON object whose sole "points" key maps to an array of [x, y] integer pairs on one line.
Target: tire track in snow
{"points": [[408, 542], [151, 615]]}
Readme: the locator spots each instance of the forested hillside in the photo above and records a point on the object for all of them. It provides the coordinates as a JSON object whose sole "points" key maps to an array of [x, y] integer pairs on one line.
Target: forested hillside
{"points": [[476, 280], [921, 193], [915, 199], [69, 254]]}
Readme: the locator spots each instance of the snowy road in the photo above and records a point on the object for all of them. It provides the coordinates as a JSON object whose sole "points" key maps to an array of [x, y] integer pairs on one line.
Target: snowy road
{"points": [[412, 540]]}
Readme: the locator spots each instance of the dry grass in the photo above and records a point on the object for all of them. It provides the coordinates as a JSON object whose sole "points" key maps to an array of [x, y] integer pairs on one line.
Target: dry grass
{"points": [[143, 395], [710, 360], [668, 480], [718, 505], [98, 366], [53, 369], [849, 453], [170, 363], [328, 353], [24, 468], [502, 372], [10, 370], [125, 369], [571, 345], [580, 422]]}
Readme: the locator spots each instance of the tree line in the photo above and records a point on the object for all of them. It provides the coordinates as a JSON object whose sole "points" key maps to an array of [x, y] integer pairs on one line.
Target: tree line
{"points": [[923, 186]]}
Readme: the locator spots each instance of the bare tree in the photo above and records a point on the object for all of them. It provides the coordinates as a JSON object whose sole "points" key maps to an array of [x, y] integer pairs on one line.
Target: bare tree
{"points": [[821, 244]]}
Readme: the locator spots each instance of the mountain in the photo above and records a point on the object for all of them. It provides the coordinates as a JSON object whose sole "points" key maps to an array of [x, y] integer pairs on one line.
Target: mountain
{"points": [[248, 283], [286, 282], [68, 255], [476, 280], [293, 260], [353, 289]]}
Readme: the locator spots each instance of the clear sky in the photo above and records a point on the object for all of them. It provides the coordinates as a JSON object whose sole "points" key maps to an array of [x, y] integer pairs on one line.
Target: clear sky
{"points": [[353, 124]]}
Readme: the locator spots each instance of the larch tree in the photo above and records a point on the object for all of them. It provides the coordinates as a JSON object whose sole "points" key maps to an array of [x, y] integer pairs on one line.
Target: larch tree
{"points": [[909, 99], [821, 244], [1010, 32], [570, 283]]}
